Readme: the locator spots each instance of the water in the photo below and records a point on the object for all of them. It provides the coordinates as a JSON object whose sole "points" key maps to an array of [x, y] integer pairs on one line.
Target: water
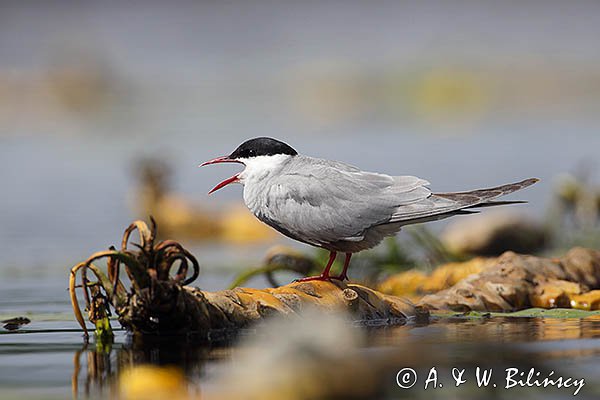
{"points": [[49, 360], [66, 197], [362, 83], [358, 84], [74, 217]]}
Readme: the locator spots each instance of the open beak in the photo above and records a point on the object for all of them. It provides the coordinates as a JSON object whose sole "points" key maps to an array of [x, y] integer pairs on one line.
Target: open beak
{"points": [[223, 159]]}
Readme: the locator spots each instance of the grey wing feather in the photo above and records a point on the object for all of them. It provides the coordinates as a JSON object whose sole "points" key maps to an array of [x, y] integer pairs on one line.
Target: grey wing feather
{"points": [[332, 201], [445, 204]]}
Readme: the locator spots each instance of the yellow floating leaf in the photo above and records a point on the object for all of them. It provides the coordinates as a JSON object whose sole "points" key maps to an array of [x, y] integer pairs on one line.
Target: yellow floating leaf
{"points": [[152, 382]]}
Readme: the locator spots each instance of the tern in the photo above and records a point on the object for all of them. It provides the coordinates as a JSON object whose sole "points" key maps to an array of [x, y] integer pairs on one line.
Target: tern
{"points": [[338, 207]]}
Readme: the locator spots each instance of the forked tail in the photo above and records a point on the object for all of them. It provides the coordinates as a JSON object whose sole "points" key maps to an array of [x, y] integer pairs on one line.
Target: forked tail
{"points": [[485, 197], [444, 205]]}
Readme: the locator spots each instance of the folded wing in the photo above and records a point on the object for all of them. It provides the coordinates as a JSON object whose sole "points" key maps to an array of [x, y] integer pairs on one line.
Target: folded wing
{"points": [[327, 202]]}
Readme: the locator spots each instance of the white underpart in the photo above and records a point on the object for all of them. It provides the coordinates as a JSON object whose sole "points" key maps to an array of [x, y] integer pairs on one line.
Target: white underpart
{"points": [[260, 167], [256, 176]]}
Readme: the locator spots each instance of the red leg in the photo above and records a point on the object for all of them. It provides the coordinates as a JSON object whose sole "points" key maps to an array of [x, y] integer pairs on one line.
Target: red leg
{"points": [[343, 275], [325, 274]]}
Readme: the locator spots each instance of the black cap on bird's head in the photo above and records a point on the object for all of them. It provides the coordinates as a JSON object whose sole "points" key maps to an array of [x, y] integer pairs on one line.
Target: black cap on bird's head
{"points": [[261, 146]]}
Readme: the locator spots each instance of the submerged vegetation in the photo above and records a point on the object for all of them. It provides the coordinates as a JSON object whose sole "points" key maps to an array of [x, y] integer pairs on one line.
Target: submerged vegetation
{"points": [[158, 303], [149, 264]]}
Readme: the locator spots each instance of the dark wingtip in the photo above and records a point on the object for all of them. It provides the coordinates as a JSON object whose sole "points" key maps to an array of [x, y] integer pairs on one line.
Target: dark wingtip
{"points": [[481, 196], [531, 181], [525, 183], [513, 187]]}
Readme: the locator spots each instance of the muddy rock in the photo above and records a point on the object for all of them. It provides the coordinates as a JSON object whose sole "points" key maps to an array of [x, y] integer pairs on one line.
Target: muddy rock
{"points": [[512, 282], [586, 301], [415, 283]]}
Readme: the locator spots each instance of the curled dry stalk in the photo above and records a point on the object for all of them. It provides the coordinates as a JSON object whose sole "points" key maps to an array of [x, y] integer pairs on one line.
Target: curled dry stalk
{"points": [[144, 266], [158, 300], [279, 258]]}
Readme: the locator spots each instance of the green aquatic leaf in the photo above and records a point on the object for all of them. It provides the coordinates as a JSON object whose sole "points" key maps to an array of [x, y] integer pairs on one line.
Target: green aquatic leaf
{"points": [[104, 334], [527, 313]]}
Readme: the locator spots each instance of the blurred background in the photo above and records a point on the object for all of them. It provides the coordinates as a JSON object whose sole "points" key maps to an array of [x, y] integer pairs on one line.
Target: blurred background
{"points": [[107, 108], [465, 95]]}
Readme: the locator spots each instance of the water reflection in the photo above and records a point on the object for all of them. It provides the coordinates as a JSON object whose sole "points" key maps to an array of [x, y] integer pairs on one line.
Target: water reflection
{"points": [[99, 372], [495, 330], [97, 368], [524, 343]]}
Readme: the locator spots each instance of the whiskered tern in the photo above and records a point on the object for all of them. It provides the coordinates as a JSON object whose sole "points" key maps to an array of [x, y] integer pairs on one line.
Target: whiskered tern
{"points": [[338, 207]]}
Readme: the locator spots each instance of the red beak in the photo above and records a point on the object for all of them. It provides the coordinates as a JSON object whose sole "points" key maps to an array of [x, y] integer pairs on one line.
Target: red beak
{"points": [[223, 159]]}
